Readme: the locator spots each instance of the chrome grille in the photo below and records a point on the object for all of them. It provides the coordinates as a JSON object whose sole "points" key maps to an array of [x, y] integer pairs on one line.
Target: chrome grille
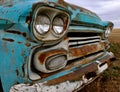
{"points": [[80, 39]]}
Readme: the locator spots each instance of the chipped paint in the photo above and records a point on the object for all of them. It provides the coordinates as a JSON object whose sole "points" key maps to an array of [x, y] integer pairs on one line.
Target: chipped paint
{"points": [[8, 39], [63, 84], [85, 50], [41, 87], [18, 43], [42, 57]]}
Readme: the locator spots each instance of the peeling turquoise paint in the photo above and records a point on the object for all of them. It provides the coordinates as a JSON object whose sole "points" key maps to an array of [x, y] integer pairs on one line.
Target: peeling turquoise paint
{"points": [[15, 34], [74, 12], [14, 55], [24, 11]]}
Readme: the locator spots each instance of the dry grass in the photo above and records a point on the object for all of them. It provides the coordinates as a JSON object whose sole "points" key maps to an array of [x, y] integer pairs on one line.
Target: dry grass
{"points": [[115, 36]]}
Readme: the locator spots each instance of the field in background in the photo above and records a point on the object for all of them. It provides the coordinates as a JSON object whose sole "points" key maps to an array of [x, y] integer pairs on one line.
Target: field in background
{"points": [[109, 81], [115, 36]]}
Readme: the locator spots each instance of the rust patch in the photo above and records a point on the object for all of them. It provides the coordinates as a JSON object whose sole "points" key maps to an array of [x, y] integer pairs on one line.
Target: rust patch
{"points": [[17, 32], [106, 59], [13, 32], [44, 75], [24, 34], [19, 42], [13, 51], [65, 38], [28, 44], [85, 50], [73, 64], [77, 74], [17, 72], [23, 70], [43, 56], [8, 39], [63, 3]]}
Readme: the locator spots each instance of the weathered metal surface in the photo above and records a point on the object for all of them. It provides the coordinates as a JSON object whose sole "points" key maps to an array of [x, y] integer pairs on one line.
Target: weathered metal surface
{"points": [[43, 56], [77, 67], [85, 50], [82, 61], [75, 75], [83, 70], [17, 42], [82, 76], [13, 59], [41, 87], [21, 13], [5, 24]]}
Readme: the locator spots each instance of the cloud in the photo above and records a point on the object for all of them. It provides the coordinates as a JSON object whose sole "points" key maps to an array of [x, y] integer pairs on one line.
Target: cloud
{"points": [[106, 9]]}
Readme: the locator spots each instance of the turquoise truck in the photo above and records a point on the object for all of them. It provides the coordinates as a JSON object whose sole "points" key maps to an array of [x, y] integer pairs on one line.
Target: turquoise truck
{"points": [[51, 46]]}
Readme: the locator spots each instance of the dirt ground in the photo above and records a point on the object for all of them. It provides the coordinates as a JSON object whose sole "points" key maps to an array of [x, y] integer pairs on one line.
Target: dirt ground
{"points": [[109, 81]]}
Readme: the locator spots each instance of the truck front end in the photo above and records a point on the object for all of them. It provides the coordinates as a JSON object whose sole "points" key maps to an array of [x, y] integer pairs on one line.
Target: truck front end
{"points": [[51, 46]]}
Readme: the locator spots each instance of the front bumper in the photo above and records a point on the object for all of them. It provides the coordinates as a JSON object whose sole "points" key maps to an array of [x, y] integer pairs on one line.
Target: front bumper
{"points": [[70, 80]]}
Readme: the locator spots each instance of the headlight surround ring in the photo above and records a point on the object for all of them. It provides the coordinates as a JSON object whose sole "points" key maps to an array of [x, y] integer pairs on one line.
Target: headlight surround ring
{"points": [[50, 14], [49, 61], [40, 17]]}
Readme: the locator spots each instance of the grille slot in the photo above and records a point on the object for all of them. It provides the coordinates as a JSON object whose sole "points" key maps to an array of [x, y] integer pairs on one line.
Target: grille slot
{"points": [[79, 39]]}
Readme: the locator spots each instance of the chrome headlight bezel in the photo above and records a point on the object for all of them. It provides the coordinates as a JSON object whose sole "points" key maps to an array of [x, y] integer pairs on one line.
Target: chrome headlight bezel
{"points": [[51, 14], [43, 61], [39, 36]]}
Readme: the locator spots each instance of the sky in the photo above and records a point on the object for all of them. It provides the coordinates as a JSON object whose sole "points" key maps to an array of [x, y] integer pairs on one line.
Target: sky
{"points": [[108, 10]]}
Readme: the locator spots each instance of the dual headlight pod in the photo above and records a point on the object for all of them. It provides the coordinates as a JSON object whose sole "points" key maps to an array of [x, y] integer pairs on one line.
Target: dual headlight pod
{"points": [[49, 25], [42, 25]]}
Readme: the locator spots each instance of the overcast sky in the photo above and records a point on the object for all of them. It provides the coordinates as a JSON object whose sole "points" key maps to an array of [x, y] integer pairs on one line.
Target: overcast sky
{"points": [[108, 10]]}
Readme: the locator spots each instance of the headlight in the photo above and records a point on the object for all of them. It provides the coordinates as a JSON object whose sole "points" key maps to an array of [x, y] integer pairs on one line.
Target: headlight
{"points": [[49, 24], [42, 24], [107, 32], [58, 25], [49, 61], [56, 62]]}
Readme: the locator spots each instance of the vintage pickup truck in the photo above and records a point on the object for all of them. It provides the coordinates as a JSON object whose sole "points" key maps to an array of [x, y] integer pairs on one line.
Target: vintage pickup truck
{"points": [[50, 46]]}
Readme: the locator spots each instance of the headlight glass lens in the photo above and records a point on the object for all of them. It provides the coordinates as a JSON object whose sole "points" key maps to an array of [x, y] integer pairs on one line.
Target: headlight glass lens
{"points": [[58, 25], [56, 62], [107, 32], [42, 24]]}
